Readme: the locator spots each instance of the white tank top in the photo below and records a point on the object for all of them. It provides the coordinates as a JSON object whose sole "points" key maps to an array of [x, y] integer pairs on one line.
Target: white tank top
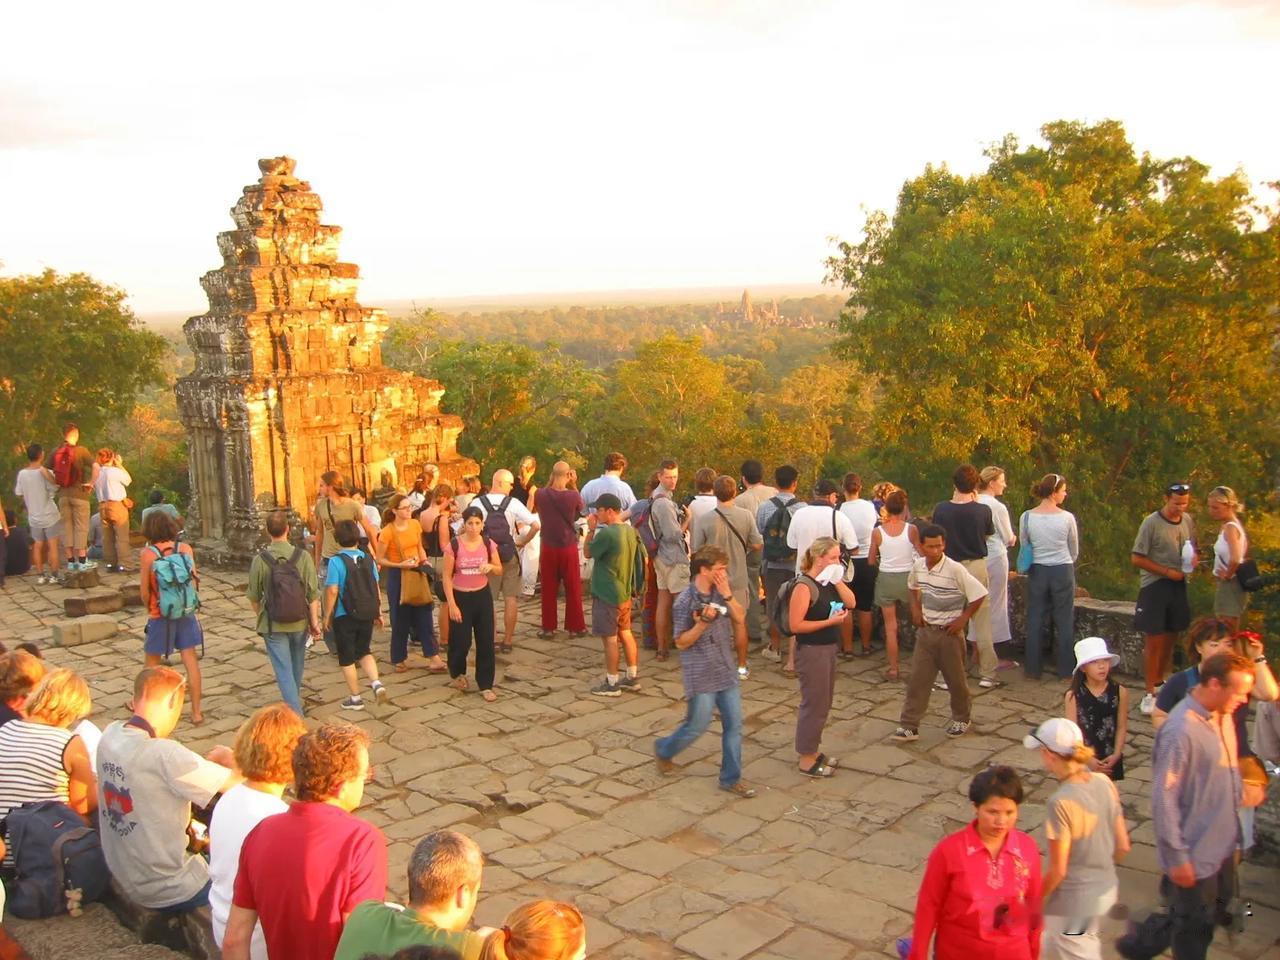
{"points": [[1222, 549], [896, 553]]}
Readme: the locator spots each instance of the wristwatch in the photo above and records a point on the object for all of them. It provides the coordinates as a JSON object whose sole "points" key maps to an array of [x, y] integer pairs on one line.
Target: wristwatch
{"points": [[1259, 659]]}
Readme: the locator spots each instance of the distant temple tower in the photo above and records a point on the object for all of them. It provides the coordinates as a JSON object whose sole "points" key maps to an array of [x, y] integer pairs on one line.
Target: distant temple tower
{"points": [[289, 380]]}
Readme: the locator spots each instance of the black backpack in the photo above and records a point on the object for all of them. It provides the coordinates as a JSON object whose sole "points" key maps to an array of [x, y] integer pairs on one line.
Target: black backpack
{"points": [[284, 596], [360, 597], [496, 526], [775, 530], [780, 612], [53, 853]]}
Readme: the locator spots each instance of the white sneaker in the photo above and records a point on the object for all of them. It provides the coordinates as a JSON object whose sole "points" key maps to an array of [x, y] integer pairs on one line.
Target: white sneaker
{"points": [[940, 684], [379, 691], [771, 654], [1148, 704], [41, 581]]}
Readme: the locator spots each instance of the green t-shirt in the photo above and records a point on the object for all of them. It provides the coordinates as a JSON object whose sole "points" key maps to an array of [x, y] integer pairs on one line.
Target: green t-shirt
{"points": [[614, 550], [378, 929], [1161, 541], [257, 588]]}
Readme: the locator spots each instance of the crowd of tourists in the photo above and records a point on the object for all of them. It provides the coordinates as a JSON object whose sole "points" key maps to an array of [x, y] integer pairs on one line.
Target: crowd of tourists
{"points": [[740, 569]]}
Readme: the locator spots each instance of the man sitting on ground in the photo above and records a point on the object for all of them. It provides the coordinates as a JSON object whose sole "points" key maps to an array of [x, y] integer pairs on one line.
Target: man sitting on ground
{"points": [[146, 786], [303, 901], [444, 882], [20, 671]]}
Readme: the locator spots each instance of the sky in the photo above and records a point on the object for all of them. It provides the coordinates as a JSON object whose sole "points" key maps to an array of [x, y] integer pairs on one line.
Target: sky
{"points": [[541, 146]]}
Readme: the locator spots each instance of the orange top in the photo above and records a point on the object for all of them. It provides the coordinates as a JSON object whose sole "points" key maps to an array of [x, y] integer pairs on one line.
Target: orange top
{"points": [[402, 544], [150, 593]]}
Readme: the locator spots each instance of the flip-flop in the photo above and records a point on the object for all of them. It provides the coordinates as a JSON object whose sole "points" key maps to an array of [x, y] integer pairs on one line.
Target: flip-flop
{"points": [[459, 683], [818, 771], [440, 669], [826, 761], [489, 696]]}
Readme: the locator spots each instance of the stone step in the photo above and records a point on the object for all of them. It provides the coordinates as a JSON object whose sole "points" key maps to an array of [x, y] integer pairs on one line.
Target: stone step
{"points": [[82, 579], [87, 629], [103, 600]]}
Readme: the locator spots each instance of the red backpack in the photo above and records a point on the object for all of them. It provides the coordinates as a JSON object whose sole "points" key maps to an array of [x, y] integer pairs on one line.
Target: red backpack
{"points": [[64, 466]]}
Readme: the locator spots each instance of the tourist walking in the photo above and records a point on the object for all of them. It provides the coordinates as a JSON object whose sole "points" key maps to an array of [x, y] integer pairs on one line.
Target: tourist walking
{"points": [[944, 598], [861, 575], [526, 491], [284, 592], [353, 606], [1165, 554], [335, 505], [968, 524], [559, 508], [1050, 534], [410, 596], [74, 470], [182, 631], [617, 574], [820, 602], [991, 486], [1084, 824], [895, 545], [263, 753], [1196, 764], [111, 487], [704, 617], [1229, 551], [1100, 706], [471, 560], [980, 894], [37, 488]]}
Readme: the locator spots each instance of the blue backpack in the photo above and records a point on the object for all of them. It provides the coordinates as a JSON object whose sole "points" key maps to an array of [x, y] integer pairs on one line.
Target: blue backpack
{"points": [[54, 853], [175, 579]]}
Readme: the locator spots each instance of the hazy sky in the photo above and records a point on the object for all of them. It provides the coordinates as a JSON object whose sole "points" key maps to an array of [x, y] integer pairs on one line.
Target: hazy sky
{"points": [[505, 147]]}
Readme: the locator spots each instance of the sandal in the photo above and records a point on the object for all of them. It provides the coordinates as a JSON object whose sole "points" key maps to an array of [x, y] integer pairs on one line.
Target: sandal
{"points": [[789, 672], [663, 655], [489, 695], [504, 648], [459, 683], [437, 668], [818, 771], [832, 762], [402, 667], [546, 634], [891, 673]]}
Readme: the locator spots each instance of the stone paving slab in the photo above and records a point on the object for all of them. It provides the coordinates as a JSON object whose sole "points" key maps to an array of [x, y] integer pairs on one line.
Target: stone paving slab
{"points": [[560, 790]]}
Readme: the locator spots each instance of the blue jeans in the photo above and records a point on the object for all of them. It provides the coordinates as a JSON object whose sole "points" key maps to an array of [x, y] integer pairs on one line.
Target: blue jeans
{"points": [[698, 718], [1051, 595], [288, 655], [407, 620]]}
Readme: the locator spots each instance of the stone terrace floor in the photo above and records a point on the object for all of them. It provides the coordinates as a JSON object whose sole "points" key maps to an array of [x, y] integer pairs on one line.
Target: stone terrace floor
{"points": [[560, 790]]}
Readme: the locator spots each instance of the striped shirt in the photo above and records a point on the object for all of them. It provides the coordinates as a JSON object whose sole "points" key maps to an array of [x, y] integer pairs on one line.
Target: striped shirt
{"points": [[31, 765], [945, 590]]}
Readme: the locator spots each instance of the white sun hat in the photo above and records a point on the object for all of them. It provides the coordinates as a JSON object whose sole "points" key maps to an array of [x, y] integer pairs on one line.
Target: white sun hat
{"points": [[1094, 648], [1058, 735]]}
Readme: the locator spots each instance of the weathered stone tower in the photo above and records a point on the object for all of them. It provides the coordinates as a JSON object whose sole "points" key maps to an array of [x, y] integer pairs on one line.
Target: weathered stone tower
{"points": [[289, 380]]}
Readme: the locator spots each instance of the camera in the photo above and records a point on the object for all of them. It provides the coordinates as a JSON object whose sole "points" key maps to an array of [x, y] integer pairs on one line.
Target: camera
{"points": [[720, 608]]}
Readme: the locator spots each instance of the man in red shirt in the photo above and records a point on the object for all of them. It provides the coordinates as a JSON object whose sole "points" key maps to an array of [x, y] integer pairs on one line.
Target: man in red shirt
{"points": [[303, 901]]}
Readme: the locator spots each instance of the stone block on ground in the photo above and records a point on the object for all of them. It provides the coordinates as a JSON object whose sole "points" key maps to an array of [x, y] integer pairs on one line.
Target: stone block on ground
{"points": [[81, 579], [95, 601], [131, 595], [87, 629]]}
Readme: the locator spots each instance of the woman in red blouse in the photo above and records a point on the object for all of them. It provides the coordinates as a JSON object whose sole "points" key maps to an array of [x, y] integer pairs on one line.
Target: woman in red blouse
{"points": [[980, 896]]}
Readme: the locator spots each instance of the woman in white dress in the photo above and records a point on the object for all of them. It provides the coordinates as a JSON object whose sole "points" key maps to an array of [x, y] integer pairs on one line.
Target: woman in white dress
{"points": [[991, 484]]}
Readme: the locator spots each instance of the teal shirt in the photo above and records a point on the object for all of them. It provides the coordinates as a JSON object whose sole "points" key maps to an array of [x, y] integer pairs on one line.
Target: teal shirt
{"points": [[377, 929]]}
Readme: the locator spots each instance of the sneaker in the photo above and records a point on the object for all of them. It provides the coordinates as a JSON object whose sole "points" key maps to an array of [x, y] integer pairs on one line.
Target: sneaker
{"points": [[989, 683], [940, 684], [743, 673], [904, 735], [629, 683], [310, 642], [379, 691], [88, 564], [957, 728], [353, 703], [771, 654], [41, 581], [739, 788], [73, 567], [664, 765], [607, 689], [1148, 704]]}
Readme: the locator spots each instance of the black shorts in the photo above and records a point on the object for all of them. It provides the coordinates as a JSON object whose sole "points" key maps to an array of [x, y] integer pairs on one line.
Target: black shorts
{"points": [[352, 638], [863, 585], [1162, 607]]}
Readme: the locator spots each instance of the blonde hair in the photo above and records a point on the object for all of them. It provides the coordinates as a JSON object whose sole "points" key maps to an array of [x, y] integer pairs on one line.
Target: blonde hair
{"points": [[988, 476], [264, 744], [816, 550], [542, 930], [60, 699], [1225, 495]]}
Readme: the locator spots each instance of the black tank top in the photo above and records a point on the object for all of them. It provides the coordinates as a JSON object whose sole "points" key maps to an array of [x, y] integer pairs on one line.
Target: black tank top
{"points": [[819, 610]]}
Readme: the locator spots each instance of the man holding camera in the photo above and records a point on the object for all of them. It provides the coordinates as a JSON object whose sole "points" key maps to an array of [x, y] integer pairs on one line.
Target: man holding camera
{"points": [[704, 618]]}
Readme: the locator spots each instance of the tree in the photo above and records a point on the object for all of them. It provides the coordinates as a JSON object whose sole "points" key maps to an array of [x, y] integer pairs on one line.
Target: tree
{"points": [[70, 349], [1077, 309]]}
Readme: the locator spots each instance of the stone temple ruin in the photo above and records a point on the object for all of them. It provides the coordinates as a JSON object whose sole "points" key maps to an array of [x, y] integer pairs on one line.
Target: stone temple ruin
{"points": [[289, 381]]}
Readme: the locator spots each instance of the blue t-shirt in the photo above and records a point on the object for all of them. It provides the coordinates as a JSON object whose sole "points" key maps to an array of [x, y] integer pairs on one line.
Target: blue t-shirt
{"points": [[336, 575]]}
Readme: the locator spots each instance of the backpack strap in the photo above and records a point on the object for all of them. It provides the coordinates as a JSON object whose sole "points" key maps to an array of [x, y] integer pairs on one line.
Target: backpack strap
{"points": [[506, 502], [486, 506], [733, 530], [297, 555]]}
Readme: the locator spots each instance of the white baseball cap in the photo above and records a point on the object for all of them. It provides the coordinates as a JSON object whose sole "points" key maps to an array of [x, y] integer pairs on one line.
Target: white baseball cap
{"points": [[1058, 735], [1094, 648]]}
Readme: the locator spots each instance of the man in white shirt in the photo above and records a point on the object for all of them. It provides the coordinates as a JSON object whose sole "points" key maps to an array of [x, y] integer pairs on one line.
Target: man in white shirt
{"points": [[862, 515], [37, 488], [523, 525], [704, 499], [820, 518]]}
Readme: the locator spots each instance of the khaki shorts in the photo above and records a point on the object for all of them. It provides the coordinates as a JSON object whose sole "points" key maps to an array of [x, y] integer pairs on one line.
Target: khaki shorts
{"points": [[891, 587], [507, 584], [672, 577]]}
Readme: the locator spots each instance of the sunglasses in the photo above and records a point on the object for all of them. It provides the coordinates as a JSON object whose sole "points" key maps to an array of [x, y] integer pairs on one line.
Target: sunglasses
{"points": [[1178, 488]]}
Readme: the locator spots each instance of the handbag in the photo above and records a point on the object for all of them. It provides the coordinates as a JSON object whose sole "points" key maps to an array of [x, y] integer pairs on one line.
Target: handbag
{"points": [[1253, 776], [1249, 576], [415, 588], [1026, 555]]}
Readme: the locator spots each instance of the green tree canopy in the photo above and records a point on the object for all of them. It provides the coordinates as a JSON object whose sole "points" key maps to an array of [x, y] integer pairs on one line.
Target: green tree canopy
{"points": [[1075, 308], [70, 349]]}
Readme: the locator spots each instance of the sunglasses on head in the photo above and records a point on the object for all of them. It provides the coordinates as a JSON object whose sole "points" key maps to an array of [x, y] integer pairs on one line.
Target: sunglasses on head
{"points": [[1178, 488]]}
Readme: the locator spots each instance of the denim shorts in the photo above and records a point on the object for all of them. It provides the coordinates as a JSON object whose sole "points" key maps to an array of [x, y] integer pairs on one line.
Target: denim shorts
{"points": [[165, 636]]}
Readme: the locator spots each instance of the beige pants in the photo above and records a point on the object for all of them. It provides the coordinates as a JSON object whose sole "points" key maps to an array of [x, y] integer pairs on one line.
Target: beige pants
{"points": [[981, 629], [115, 532]]}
